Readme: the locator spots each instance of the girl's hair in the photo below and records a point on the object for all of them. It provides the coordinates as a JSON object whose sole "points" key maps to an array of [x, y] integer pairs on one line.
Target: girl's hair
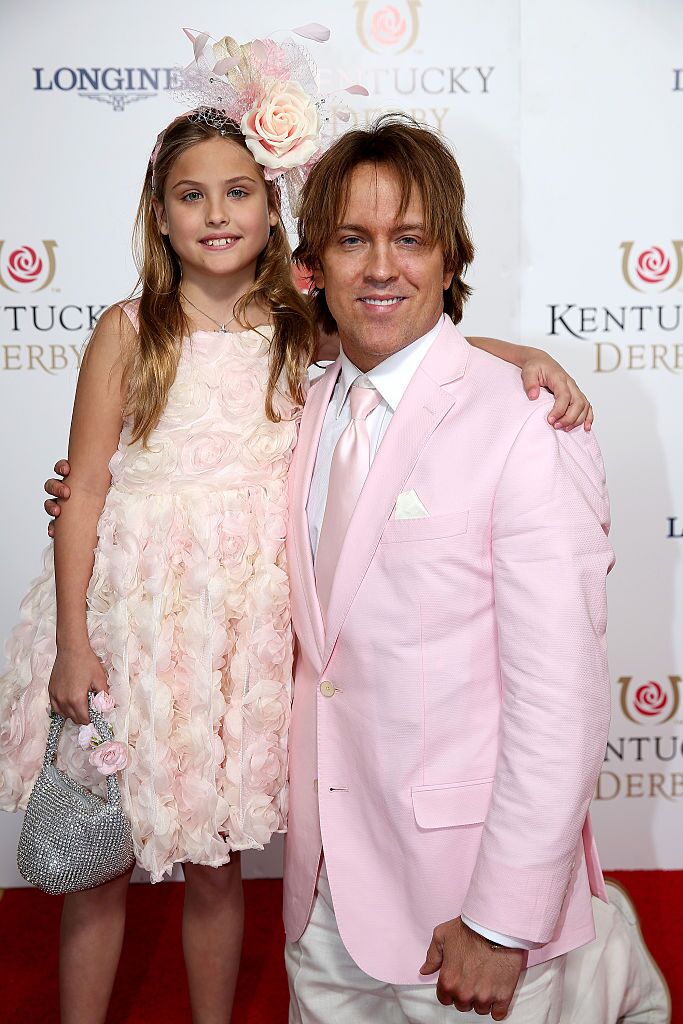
{"points": [[153, 363]]}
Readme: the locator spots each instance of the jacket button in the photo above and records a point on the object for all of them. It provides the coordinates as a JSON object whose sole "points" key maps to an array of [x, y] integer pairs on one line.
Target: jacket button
{"points": [[327, 688]]}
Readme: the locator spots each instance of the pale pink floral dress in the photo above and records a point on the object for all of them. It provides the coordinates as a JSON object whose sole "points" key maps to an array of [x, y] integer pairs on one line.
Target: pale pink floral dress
{"points": [[188, 609]]}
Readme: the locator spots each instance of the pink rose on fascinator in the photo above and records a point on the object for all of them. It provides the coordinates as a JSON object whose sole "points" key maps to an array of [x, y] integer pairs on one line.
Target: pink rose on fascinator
{"points": [[87, 736], [103, 702], [109, 757], [282, 130]]}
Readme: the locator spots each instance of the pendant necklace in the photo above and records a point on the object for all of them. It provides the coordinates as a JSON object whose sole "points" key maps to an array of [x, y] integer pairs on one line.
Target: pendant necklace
{"points": [[222, 328]]}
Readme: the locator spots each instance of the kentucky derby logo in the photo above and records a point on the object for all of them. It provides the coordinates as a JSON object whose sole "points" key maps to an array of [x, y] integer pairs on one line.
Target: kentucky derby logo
{"points": [[27, 268], [302, 278], [653, 269], [649, 701], [387, 27]]}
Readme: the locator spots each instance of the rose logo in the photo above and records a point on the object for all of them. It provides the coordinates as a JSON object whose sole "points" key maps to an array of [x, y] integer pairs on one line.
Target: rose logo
{"points": [[24, 265], [649, 699], [380, 26], [653, 265], [303, 279], [387, 26]]}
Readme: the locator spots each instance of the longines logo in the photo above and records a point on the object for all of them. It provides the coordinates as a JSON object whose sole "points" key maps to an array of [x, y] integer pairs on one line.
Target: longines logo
{"points": [[26, 268], [649, 702], [675, 528], [387, 28], [116, 87], [652, 269]]}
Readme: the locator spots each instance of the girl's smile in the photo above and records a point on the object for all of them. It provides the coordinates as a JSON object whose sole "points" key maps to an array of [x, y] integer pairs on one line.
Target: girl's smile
{"points": [[218, 242]]}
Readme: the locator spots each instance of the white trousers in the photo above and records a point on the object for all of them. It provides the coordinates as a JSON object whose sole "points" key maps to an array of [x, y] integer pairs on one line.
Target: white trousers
{"points": [[615, 977], [327, 987], [609, 981]]}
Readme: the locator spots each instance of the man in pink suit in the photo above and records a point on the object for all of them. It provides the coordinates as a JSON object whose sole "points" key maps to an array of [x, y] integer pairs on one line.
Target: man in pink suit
{"points": [[451, 695]]}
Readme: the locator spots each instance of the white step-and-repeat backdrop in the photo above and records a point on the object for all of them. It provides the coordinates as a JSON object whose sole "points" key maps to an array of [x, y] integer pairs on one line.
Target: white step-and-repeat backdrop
{"points": [[568, 123]]}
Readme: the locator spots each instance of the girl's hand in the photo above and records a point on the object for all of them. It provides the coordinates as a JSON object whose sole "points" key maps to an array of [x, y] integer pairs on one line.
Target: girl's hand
{"points": [[571, 405], [76, 671], [58, 489]]}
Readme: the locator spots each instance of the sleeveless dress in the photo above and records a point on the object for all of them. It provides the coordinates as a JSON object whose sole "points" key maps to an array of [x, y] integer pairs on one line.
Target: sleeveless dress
{"points": [[188, 610]]}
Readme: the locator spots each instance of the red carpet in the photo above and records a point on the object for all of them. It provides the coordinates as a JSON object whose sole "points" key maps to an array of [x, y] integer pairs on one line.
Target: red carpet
{"points": [[150, 986]]}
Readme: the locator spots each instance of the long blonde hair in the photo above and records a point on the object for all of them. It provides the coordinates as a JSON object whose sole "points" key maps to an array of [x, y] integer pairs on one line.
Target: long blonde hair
{"points": [[153, 362]]}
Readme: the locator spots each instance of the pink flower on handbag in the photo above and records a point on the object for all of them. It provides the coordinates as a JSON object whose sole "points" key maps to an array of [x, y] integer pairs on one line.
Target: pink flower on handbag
{"points": [[103, 702], [88, 736], [109, 757]]}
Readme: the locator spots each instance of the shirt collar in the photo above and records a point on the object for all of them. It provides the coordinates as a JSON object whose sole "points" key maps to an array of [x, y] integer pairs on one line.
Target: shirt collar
{"points": [[392, 376]]}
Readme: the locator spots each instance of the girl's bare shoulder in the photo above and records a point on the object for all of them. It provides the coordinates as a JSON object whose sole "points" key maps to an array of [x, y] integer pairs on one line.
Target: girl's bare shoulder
{"points": [[115, 335]]}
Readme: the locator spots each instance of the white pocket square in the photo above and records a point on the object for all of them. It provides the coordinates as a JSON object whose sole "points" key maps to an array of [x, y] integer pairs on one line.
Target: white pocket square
{"points": [[409, 506]]}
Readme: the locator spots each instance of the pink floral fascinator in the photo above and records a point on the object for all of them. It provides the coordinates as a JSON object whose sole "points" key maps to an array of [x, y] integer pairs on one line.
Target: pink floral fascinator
{"points": [[270, 90]]}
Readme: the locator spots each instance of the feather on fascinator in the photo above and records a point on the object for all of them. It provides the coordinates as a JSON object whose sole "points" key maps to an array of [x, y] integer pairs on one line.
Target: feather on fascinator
{"points": [[270, 90]]}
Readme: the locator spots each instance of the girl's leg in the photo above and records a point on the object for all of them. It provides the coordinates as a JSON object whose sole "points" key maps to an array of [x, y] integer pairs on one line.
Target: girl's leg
{"points": [[89, 950], [213, 919]]}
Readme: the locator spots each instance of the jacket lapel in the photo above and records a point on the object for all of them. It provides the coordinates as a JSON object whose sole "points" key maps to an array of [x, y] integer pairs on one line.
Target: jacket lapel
{"points": [[302, 576], [425, 403]]}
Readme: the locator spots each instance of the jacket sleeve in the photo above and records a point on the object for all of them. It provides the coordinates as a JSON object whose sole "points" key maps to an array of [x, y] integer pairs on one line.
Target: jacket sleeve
{"points": [[550, 559]]}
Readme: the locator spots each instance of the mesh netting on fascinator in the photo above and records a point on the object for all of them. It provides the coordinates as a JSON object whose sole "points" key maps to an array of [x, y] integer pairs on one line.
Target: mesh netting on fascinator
{"points": [[270, 90]]}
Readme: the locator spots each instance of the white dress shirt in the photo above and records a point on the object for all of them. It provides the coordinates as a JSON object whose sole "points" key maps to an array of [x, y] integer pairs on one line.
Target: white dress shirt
{"points": [[391, 379]]}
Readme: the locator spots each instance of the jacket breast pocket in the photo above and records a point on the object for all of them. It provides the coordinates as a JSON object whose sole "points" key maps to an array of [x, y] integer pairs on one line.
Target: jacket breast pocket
{"points": [[452, 803], [427, 528]]}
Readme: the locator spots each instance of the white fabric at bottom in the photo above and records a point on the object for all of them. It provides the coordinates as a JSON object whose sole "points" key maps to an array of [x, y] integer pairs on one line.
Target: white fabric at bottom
{"points": [[327, 987], [614, 979]]}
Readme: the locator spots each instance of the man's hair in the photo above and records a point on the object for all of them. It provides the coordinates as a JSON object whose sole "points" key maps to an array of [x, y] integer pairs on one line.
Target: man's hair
{"points": [[419, 159]]}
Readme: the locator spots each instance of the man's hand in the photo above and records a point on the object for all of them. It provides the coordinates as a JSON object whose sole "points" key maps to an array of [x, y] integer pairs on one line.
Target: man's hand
{"points": [[571, 408], [58, 489], [472, 975]]}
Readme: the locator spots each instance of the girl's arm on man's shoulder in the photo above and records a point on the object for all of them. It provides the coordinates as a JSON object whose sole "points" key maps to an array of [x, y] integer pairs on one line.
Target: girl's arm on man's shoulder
{"points": [[540, 370]]}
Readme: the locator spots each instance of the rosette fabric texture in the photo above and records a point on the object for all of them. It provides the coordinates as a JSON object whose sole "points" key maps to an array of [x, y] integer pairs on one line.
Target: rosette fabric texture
{"points": [[188, 609]]}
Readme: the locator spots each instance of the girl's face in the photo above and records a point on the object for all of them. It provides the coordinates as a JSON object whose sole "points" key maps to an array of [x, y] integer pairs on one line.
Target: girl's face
{"points": [[215, 210]]}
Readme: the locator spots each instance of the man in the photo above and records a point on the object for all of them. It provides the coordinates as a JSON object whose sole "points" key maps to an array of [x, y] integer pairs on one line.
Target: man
{"points": [[448, 556]]}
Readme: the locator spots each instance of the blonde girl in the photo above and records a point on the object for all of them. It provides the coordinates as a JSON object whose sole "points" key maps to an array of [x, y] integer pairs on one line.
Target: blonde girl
{"points": [[183, 428]]}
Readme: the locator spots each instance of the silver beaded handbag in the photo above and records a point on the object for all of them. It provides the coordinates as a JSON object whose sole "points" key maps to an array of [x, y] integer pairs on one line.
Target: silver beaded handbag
{"points": [[73, 839]]}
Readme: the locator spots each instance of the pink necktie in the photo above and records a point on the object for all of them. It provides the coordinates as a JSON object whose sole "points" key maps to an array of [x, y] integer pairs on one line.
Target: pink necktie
{"points": [[349, 469]]}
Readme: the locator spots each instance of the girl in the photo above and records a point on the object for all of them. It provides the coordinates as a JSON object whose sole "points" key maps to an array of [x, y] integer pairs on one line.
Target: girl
{"points": [[183, 428]]}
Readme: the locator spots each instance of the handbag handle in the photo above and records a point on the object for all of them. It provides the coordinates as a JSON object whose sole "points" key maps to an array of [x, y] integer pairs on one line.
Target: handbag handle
{"points": [[104, 732]]}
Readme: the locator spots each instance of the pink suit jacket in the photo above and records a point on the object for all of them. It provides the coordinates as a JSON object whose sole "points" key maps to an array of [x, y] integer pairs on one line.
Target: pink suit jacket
{"points": [[451, 764]]}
